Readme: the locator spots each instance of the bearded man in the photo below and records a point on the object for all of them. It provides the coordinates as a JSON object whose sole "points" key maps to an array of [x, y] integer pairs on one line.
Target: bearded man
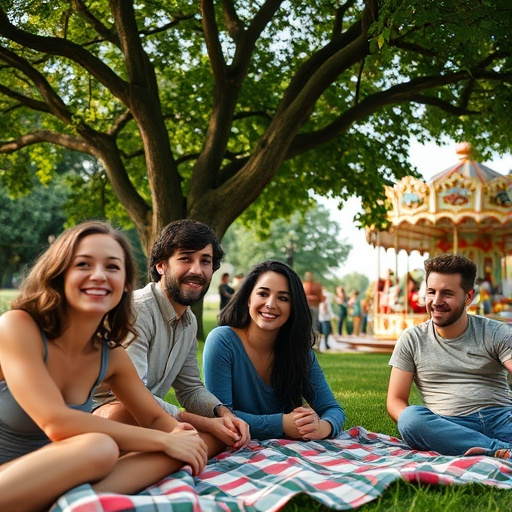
{"points": [[181, 266], [459, 363]]}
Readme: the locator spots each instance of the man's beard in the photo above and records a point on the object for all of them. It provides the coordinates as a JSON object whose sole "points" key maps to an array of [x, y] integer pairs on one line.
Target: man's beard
{"points": [[172, 287], [453, 315]]}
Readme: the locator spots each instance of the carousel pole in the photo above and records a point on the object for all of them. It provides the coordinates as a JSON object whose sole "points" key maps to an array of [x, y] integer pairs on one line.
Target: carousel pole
{"points": [[378, 254], [396, 253], [504, 276], [406, 293], [455, 239], [376, 296]]}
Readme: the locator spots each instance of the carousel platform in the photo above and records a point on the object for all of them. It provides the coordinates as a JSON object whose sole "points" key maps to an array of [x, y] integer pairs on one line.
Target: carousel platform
{"points": [[384, 341], [363, 343]]}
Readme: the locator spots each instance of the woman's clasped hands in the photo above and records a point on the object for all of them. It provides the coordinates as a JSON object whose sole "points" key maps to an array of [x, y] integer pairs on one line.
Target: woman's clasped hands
{"points": [[304, 423]]}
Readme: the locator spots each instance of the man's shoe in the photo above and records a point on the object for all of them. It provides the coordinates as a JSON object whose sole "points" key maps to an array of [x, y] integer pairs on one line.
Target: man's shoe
{"points": [[504, 453]]}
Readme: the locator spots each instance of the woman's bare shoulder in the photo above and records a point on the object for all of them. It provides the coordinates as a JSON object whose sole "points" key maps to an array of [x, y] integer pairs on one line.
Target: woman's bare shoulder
{"points": [[20, 338], [118, 362], [16, 320]]}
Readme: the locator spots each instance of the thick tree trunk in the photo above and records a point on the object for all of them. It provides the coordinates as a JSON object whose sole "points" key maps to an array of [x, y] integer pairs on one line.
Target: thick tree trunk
{"points": [[197, 309]]}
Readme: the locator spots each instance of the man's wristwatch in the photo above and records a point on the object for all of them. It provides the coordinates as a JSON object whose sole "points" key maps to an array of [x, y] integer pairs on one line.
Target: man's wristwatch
{"points": [[216, 409]]}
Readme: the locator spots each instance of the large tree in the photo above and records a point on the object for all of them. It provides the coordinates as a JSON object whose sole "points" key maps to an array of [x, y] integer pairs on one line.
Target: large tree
{"points": [[201, 109]]}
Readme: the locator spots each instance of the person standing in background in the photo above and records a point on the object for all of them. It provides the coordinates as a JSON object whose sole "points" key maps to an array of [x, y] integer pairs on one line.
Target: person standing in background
{"points": [[413, 296], [341, 301], [237, 281], [325, 316], [355, 312], [366, 305], [225, 291], [314, 295]]}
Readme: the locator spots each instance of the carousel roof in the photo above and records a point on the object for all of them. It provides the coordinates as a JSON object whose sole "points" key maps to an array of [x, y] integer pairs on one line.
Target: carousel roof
{"points": [[467, 204], [467, 168]]}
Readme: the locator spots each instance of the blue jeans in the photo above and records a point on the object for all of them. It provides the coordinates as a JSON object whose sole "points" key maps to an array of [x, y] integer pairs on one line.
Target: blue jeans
{"points": [[341, 317], [489, 428], [326, 328]]}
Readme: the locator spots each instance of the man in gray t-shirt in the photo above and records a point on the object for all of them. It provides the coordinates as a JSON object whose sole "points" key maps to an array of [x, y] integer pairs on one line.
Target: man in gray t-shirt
{"points": [[459, 364]]}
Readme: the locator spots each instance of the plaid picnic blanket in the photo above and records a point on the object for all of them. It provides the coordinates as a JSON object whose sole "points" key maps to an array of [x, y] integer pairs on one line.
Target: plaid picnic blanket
{"points": [[342, 473]]}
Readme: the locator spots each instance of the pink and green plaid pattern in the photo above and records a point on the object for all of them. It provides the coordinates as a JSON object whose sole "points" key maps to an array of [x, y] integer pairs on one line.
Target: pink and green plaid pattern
{"points": [[343, 474]]}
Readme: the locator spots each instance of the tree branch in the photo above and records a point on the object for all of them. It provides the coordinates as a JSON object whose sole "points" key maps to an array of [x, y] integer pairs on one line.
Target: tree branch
{"points": [[246, 44], [412, 47], [211, 36], [120, 123], [25, 101], [61, 139], [227, 83], [358, 83], [256, 113], [164, 28], [136, 59], [445, 106], [408, 91], [337, 26], [307, 86], [319, 58], [103, 31], [491, 58], [54, 103], [466, 93], [234, 24], [68, 49]]}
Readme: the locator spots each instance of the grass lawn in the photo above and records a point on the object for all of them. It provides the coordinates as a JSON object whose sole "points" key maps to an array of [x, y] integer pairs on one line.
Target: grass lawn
{"points": [[6, 296]]}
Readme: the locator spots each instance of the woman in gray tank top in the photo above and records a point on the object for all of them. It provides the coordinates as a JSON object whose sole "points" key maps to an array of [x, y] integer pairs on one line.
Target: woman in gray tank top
{"points": [[61, 339]]}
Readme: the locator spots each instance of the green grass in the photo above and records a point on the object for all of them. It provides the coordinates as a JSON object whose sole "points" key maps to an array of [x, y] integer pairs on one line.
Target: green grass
{"points": [[6, 296]]}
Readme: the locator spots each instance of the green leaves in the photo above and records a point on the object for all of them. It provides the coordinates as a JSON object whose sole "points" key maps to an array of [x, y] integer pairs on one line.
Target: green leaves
{"points": [[185, 105]]}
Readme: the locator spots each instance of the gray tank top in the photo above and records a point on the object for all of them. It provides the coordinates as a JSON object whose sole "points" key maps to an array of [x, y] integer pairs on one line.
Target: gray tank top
{"points": [[19, 434]]}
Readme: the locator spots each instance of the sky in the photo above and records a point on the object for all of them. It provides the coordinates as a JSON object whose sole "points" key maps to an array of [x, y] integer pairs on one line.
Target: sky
{"points": [[429, 160]]}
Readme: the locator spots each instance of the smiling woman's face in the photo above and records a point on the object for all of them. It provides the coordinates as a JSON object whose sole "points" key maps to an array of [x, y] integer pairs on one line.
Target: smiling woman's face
{"points": [[270, 301], [95, 280]]}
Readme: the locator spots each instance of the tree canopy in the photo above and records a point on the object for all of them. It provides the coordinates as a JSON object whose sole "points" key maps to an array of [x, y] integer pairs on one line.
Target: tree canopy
{"points": [[27, 226], [309, 242], [210, 110], [356, 281]]}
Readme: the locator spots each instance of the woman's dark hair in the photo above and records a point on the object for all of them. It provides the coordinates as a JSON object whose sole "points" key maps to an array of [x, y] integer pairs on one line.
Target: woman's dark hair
{"points": [[292, 351], [42, 292], [183, 234]]}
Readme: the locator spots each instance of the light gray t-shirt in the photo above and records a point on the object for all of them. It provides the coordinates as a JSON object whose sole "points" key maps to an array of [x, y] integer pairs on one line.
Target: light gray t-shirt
{"points": [[460, 376]]}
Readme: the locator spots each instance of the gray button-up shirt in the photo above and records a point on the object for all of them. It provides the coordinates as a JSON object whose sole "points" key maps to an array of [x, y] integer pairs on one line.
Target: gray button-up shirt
{"points": [[164, 354]]}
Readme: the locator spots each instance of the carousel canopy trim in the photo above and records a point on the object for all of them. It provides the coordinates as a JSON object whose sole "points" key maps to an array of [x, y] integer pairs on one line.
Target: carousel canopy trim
{"points": [[467, 204]]}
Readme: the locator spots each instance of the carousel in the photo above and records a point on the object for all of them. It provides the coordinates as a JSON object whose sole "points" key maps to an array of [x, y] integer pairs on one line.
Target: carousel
{"points": [[465, 209]]}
